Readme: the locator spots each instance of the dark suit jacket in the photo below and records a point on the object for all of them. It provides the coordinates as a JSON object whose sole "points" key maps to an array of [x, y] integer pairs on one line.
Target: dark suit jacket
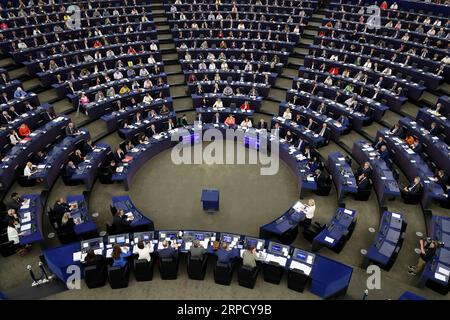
{"points": [[70, 171], [322, 180], [98, 260], [71, 131], [377, 145], [434, 131], [263, 126], [59, 209], [87, 149], [121, 223], [168, 252], [384, 155], [364, 184]]}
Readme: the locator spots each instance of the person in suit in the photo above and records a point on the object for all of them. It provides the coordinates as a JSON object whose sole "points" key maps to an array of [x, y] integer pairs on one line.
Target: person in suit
{"points": [[168, 251], [71, 169], [413, 189], [384, 153], [121, 222], [325, 133], [344, 122], [14, 138], [225, 255], [197, 250], [365, 168], [60, 208], [441, 178], [308, 153], [321, 179], [71, 130], [14, 202], [119, 154], [416, 146], [262, 124], [5, 117], [67, 224], [93, 259], [78, 157], [434, 129], [363, 182], [88, 147], [377, 144], [397, 130], [301, 145]]}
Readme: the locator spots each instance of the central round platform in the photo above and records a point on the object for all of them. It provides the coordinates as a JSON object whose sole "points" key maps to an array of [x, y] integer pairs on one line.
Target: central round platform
{"points": [[170, 194]]}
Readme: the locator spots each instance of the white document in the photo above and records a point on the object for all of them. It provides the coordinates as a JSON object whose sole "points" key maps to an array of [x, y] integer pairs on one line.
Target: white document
{"points": [[348, 211], [25, 227], [444, 271], [300, 266], [328, 239], [76, 256], [26, 217], [440, 276]]}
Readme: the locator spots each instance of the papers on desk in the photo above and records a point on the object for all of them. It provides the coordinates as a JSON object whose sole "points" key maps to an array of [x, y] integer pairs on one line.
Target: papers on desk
{"points": [[300, 266], [440, 277], [187, 245], [26, 217], [310, 178], [348, 211], [119, 169], [298, 206], [396, 215], [108, 253], [444, 271], [76, 256], [341, 159], [278, 259], [328, 239], [409, 151], [25, 204], [25, 227]]}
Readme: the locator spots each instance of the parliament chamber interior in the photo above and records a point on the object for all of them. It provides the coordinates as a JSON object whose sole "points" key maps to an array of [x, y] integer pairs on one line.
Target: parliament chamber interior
{"points": [[98, 96]]}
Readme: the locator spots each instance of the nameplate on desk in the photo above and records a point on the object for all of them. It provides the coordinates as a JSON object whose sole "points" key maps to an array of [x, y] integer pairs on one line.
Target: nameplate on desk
{"points": [[440, 277], [444, 271], [328, 239], [348, 211], [396, 215]]}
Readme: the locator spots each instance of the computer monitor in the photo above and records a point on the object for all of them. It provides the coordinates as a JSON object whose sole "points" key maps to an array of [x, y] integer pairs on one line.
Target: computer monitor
{"points": [[120, 239], [254, 242], [93, 244], [199, 236], [303, 256], [278, 248], [229, 238], [171, 234], [146, 236]]}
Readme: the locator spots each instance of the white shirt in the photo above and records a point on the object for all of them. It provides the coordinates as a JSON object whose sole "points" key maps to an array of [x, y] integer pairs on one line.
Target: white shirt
{"points": [[27, 171], [145, 252], [287, 115], [309, 211], [13, 235]]}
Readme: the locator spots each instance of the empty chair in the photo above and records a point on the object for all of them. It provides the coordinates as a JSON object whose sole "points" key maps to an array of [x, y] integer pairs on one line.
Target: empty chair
{"points": [[273, 272], [223, 273], [118, 277], [196, 267], [143, 270], [247, 276], [95, 276], [296, 280], [168, 268]]}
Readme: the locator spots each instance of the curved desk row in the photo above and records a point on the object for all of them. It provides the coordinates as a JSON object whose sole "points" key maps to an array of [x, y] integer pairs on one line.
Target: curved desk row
{"points": [[140, 221], [314, 140], [114, 118], [426, 116], [87, 170], [208, 115], [52, 166], [245, 87], [328, 277], [18, 155], [437, 150], [228, 101], [335, 127], [388, 241], [235, 73], [383, 180], [413, 165], [84, 226], [30, 214], [342, 174], [337, 232], [160, 122]]}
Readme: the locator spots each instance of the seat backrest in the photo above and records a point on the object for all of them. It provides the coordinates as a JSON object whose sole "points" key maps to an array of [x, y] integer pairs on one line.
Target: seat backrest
{"points": [[246, 271], [142, 266], [116, 274]]}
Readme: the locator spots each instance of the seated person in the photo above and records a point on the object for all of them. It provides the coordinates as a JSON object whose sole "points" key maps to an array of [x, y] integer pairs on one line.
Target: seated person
{"points": [[380, 142], [168, 251], [182, 121], [365, 168], [397, 130], [413, 189], [322, 179], [325, 133], [384, 153], [434, 129], [249, 257], [230, 121], [143, 250], [197, 250], [15, 202], [71, 129], [60, 208], [245, 106], [71, 169], [363, 182], [29, 170], [24, 130], [67, 224], [121, 221], [416, 147], [441, 178], [93, 259], [119, 255], [225, 255]]}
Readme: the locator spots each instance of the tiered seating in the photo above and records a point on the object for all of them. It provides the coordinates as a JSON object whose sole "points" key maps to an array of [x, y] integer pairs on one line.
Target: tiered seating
{"points": [[439, 114], [234, 54]]}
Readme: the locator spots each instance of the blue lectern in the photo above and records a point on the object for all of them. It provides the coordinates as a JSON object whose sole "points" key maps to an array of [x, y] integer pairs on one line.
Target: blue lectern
{"points": [[210, 199]]}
